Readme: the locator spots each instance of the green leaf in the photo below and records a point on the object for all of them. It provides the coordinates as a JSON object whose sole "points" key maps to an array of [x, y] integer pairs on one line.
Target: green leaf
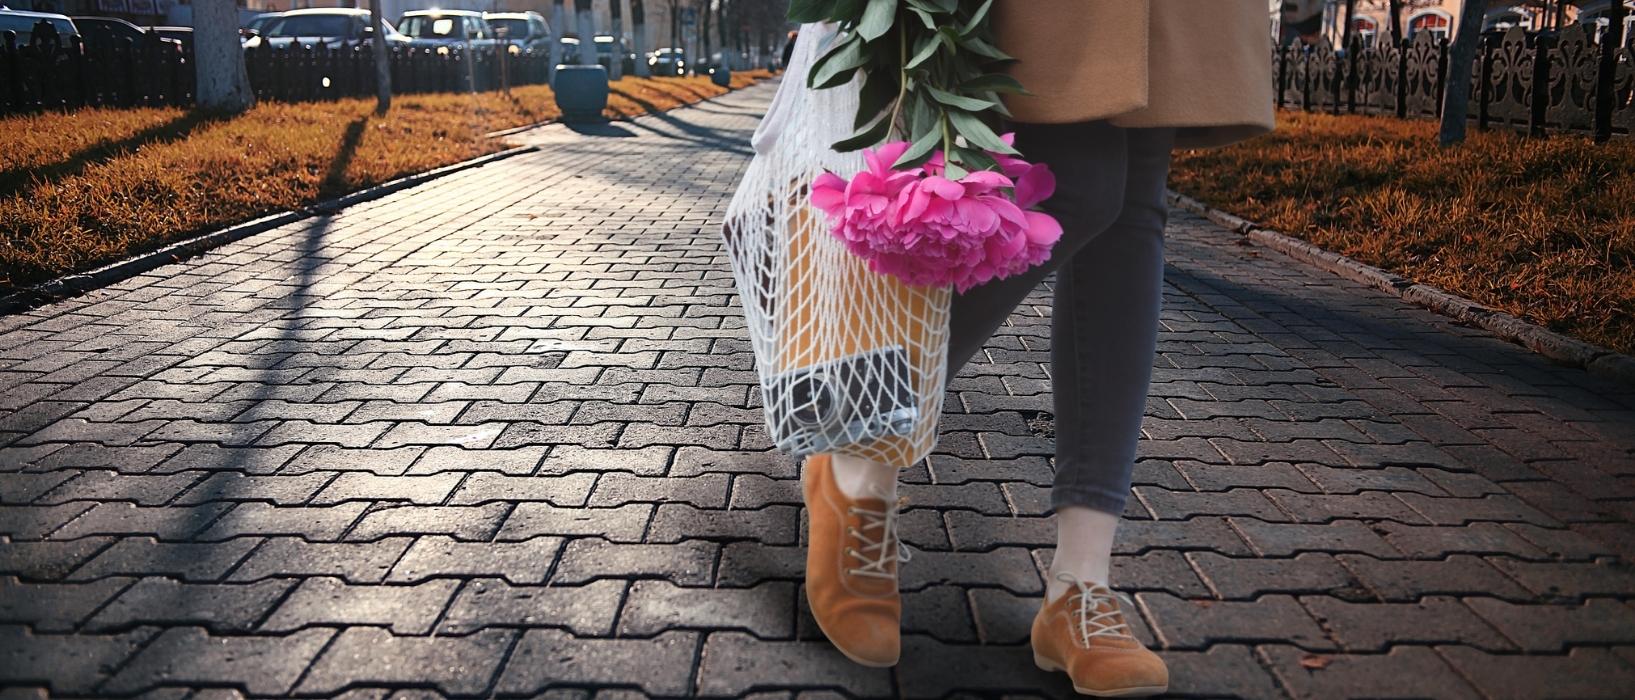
{"points": [[847, 11], [837, 66], [877, 19], [976, 19], [803, 11], [977, 132], [995, 82], [879, 89], [946, 6], [866, 136], [983, 48], [969, 104], [925, 50], [920, 149], [925, 17], [976, 159]]}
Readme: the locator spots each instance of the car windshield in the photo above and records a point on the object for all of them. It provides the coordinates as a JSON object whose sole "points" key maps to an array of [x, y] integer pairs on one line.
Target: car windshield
{"points": [[309, 25], [24, 26], [432, 27], [513, 28]]}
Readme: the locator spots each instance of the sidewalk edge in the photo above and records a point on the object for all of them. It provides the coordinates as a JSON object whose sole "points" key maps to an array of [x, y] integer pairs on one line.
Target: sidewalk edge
{"points": [[1597, 360], [32, 297]]}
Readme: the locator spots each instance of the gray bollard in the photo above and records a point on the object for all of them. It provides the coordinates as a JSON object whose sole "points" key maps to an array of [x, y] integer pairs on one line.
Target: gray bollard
{"points": [[581, 92]]}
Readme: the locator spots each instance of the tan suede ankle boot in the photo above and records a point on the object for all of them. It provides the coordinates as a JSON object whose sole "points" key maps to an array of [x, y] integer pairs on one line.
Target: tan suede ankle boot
{"points": [[1083, 632], [852, 554]]}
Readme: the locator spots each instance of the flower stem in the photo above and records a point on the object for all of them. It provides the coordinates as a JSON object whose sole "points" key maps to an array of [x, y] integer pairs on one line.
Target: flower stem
{"points": [[902, 80]]}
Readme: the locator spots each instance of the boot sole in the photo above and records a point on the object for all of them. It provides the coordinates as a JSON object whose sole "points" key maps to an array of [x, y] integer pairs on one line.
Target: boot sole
{"points": [[1045, 664]]}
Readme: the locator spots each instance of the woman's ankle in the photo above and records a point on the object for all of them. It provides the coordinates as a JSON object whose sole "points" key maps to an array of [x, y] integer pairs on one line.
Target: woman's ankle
{"points": [[861, 478], [1084, 548]]}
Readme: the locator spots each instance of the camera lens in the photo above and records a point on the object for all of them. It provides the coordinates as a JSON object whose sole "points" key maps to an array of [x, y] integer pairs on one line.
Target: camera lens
{"points": [[812, 401]]}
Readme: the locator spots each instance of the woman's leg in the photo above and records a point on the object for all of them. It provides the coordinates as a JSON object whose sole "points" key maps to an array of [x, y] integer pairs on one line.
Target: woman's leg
{"points": [[1104, 333], [1088, 160]]}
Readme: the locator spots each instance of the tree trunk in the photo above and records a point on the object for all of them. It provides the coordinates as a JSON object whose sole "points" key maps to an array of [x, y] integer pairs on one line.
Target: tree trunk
{"points": [[1396, 20], [638, 36], [1612, 39], [1455, 105], [615, 64], [223, 83], [585, 21], [383, 58], [1350, 15], [675, 24], [559, 29]]}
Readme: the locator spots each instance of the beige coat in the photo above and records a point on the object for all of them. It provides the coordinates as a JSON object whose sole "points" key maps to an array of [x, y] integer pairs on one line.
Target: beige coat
{"points": [[1203, 66]]}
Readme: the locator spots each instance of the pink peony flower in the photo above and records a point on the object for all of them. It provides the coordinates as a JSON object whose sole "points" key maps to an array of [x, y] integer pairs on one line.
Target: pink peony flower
{"points": [[925, 229]]}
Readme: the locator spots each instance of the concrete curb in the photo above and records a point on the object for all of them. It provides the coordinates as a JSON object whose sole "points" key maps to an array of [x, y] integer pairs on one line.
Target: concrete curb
{"points": [[26, 298], [1595, 359]]}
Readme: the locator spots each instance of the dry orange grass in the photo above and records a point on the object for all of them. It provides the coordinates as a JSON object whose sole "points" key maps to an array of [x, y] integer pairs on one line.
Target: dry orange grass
{"points": [[86, 188], [1541, 228]]}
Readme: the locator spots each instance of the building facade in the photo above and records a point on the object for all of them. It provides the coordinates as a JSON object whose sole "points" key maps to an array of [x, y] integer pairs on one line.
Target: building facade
{"points": [[1324, 20]]}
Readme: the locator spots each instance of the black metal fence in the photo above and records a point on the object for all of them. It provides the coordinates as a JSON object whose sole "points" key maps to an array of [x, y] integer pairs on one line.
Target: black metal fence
{"points": [[1531, 81], [123, 73]]}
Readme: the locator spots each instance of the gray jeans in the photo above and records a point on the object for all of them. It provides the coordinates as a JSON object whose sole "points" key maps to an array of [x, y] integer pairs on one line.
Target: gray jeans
{"points": [[1109, 269]]}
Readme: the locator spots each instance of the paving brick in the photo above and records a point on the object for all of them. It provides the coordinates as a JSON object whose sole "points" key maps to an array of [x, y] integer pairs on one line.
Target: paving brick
{"points": [[934, 669], [1570, 579], [58, 607], [99, 484], [684, 563], [546, 658], [189, 655], [1407, 671], [35, 522], [1552, 628], [622, 524], [489, 603], [1582, 673], [1406, 581], [1196, 624], [355, 486], [1286, 539], [47, 560], [1222, 670], [372, 656], [143, 556], [66, 664], [1374, 627], [323, 523], [1436, 542], [655, 606], [735, 662], [219, 608], [1234, 578], [518, 461], [773, 525], [1182, 505], [565, 490], [406, 609], [235, 486], [703, 491], [522, 562], [355, 562], [459, 522]]}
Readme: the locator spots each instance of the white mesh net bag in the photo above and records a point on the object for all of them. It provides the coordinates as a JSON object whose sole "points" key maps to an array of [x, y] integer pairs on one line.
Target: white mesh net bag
{"points": [[850, 361]]}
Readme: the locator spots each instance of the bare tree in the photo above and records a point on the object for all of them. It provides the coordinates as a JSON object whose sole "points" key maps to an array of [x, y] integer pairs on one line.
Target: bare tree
{"points": [[638, 36], [1396, 19], [615, 65], [585, 21], [559, 29], [1455, 100], [383, 58], [223, 83]]}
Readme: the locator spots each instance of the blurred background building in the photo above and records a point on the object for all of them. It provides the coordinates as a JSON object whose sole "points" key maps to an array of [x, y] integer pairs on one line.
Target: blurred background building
{"points": [[1312, 21]]}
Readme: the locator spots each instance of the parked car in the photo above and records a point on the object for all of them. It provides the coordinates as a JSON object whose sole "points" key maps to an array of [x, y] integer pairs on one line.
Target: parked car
{"points": [[569, 53], [527, 31], [329, 26], [105, 31], [23, 22], [180, 35], [670, 62], [607, 47], [447, 29], [256, 25]]}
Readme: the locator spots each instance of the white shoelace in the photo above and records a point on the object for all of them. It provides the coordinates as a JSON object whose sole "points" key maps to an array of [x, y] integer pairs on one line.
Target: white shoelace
{"points": [[1087, 601], [877, 554]]}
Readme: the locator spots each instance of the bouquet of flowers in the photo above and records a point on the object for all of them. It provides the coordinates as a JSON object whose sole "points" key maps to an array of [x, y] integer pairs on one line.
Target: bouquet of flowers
{"points": [[950, 204]]}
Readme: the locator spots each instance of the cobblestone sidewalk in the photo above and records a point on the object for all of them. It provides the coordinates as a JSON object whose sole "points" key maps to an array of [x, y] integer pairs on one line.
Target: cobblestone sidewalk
{"points": [[497, 435]]}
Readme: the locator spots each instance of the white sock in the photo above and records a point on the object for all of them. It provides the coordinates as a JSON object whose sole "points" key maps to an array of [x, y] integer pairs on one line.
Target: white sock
{"points": [[1084, 547], [862, 478]]}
